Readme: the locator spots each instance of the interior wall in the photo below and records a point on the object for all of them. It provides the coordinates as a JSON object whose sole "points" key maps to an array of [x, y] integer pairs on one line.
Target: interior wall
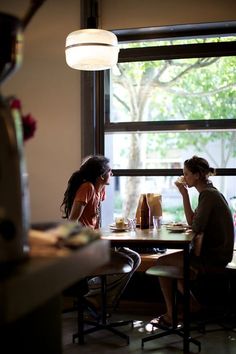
{"points": [[117, 14], [50, 91]]}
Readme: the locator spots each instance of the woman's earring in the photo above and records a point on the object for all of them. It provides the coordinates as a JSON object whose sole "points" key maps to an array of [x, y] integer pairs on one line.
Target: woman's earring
{"points": [[102, 178]]}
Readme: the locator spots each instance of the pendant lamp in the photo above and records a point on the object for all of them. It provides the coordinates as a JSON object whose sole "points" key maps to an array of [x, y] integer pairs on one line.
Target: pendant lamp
{"points": [[91, 49]]}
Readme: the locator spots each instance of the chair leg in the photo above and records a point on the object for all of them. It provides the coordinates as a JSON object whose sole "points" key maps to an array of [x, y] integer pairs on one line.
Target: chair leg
{"points": [[104, 299], [167, 332], [103, 323], [174, 304], [80, 323], [174, 329]]}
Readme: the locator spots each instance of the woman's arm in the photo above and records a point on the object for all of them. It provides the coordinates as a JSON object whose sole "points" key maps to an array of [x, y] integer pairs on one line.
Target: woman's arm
{"points": [[76, 211], [186, 202], [83, 195]]}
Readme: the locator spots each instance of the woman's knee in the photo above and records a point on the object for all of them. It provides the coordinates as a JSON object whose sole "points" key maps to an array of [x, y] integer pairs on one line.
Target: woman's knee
{"points": [[133, 255]]}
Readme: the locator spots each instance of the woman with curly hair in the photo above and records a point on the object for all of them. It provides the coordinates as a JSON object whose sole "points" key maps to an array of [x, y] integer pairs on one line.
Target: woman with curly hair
{"points": [[85, 191]]}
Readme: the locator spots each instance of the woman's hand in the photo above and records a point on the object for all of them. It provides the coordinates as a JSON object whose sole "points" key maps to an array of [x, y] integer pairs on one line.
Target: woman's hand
{"points": [[181, 185]]}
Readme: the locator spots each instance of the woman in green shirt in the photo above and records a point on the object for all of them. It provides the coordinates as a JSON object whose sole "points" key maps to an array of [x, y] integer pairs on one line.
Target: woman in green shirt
{"points": [[212, 225]]}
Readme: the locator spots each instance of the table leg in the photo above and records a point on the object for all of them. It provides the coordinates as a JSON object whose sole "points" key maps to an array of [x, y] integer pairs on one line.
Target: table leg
{"points": [[186, 300]]}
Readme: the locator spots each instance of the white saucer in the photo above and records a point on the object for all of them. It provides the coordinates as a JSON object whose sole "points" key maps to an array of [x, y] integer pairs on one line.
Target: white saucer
{"points": [[176, 228], [118, 229]]}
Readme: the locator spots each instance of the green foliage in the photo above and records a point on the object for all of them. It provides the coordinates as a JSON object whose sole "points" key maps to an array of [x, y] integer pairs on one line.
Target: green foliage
{"points": [[175, 214], [118, 204], [170, 90], [181, 89]]}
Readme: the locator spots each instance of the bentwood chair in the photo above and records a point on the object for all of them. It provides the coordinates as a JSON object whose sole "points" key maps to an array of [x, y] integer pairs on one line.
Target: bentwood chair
{"points": [[117, 265]]}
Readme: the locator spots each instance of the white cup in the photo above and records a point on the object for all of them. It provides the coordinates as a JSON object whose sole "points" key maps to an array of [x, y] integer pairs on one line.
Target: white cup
{"points": [[156, 222], [120, 222]]}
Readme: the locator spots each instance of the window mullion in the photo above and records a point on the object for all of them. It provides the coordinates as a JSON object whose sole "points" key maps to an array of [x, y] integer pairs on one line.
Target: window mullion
{"points": [[213, 124], [166, 172], [200, 50]]}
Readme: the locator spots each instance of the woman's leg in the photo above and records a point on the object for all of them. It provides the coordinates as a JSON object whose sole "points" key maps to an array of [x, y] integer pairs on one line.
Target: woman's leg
{"points": [[173, 259], [116, 283], [123, 281]]}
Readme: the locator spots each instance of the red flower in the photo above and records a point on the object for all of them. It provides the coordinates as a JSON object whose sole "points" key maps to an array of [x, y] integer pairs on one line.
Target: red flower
{"points": [[15, 104], [29, 124]]}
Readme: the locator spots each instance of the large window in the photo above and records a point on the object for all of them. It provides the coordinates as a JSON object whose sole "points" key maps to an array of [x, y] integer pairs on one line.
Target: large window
{"points": [[167, 100]]}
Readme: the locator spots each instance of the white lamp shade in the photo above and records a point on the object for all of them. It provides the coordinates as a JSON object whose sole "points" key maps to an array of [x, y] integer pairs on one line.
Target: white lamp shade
{"points": [[91, 49]]}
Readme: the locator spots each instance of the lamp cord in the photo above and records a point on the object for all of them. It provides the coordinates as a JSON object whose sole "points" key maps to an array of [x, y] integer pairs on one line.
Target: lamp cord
{"points": [[92, 20]]}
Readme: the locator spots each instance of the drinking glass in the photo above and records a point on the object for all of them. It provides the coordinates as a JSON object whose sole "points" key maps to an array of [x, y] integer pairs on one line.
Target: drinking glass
{"points": [[132, 224], [156, 222]]}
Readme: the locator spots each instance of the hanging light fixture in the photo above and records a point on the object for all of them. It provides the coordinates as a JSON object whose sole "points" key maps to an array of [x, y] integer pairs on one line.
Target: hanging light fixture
{"points": [[91, 49]]}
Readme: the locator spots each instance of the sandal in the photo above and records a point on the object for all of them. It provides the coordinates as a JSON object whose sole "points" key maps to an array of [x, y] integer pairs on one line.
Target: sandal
{"points": [[161, 322]]}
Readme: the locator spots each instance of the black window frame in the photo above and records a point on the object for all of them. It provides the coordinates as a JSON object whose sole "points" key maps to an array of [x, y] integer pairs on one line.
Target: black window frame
{"points": [[95, 110]]}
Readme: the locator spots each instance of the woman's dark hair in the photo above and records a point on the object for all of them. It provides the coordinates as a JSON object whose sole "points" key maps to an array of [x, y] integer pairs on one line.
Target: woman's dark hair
{"points": [[199, 165], [91, 168]]}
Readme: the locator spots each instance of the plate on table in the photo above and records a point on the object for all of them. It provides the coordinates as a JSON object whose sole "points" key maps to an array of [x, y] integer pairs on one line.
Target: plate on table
{"points": [[118, 229], [177, 227]]}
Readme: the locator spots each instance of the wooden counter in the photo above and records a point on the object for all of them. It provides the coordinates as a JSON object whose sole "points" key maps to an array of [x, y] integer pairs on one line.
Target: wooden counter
{"points": [[30, 295]]}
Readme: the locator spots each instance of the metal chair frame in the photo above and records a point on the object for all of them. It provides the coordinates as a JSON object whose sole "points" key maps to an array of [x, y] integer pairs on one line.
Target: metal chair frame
{"points": [[103, 323]]}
